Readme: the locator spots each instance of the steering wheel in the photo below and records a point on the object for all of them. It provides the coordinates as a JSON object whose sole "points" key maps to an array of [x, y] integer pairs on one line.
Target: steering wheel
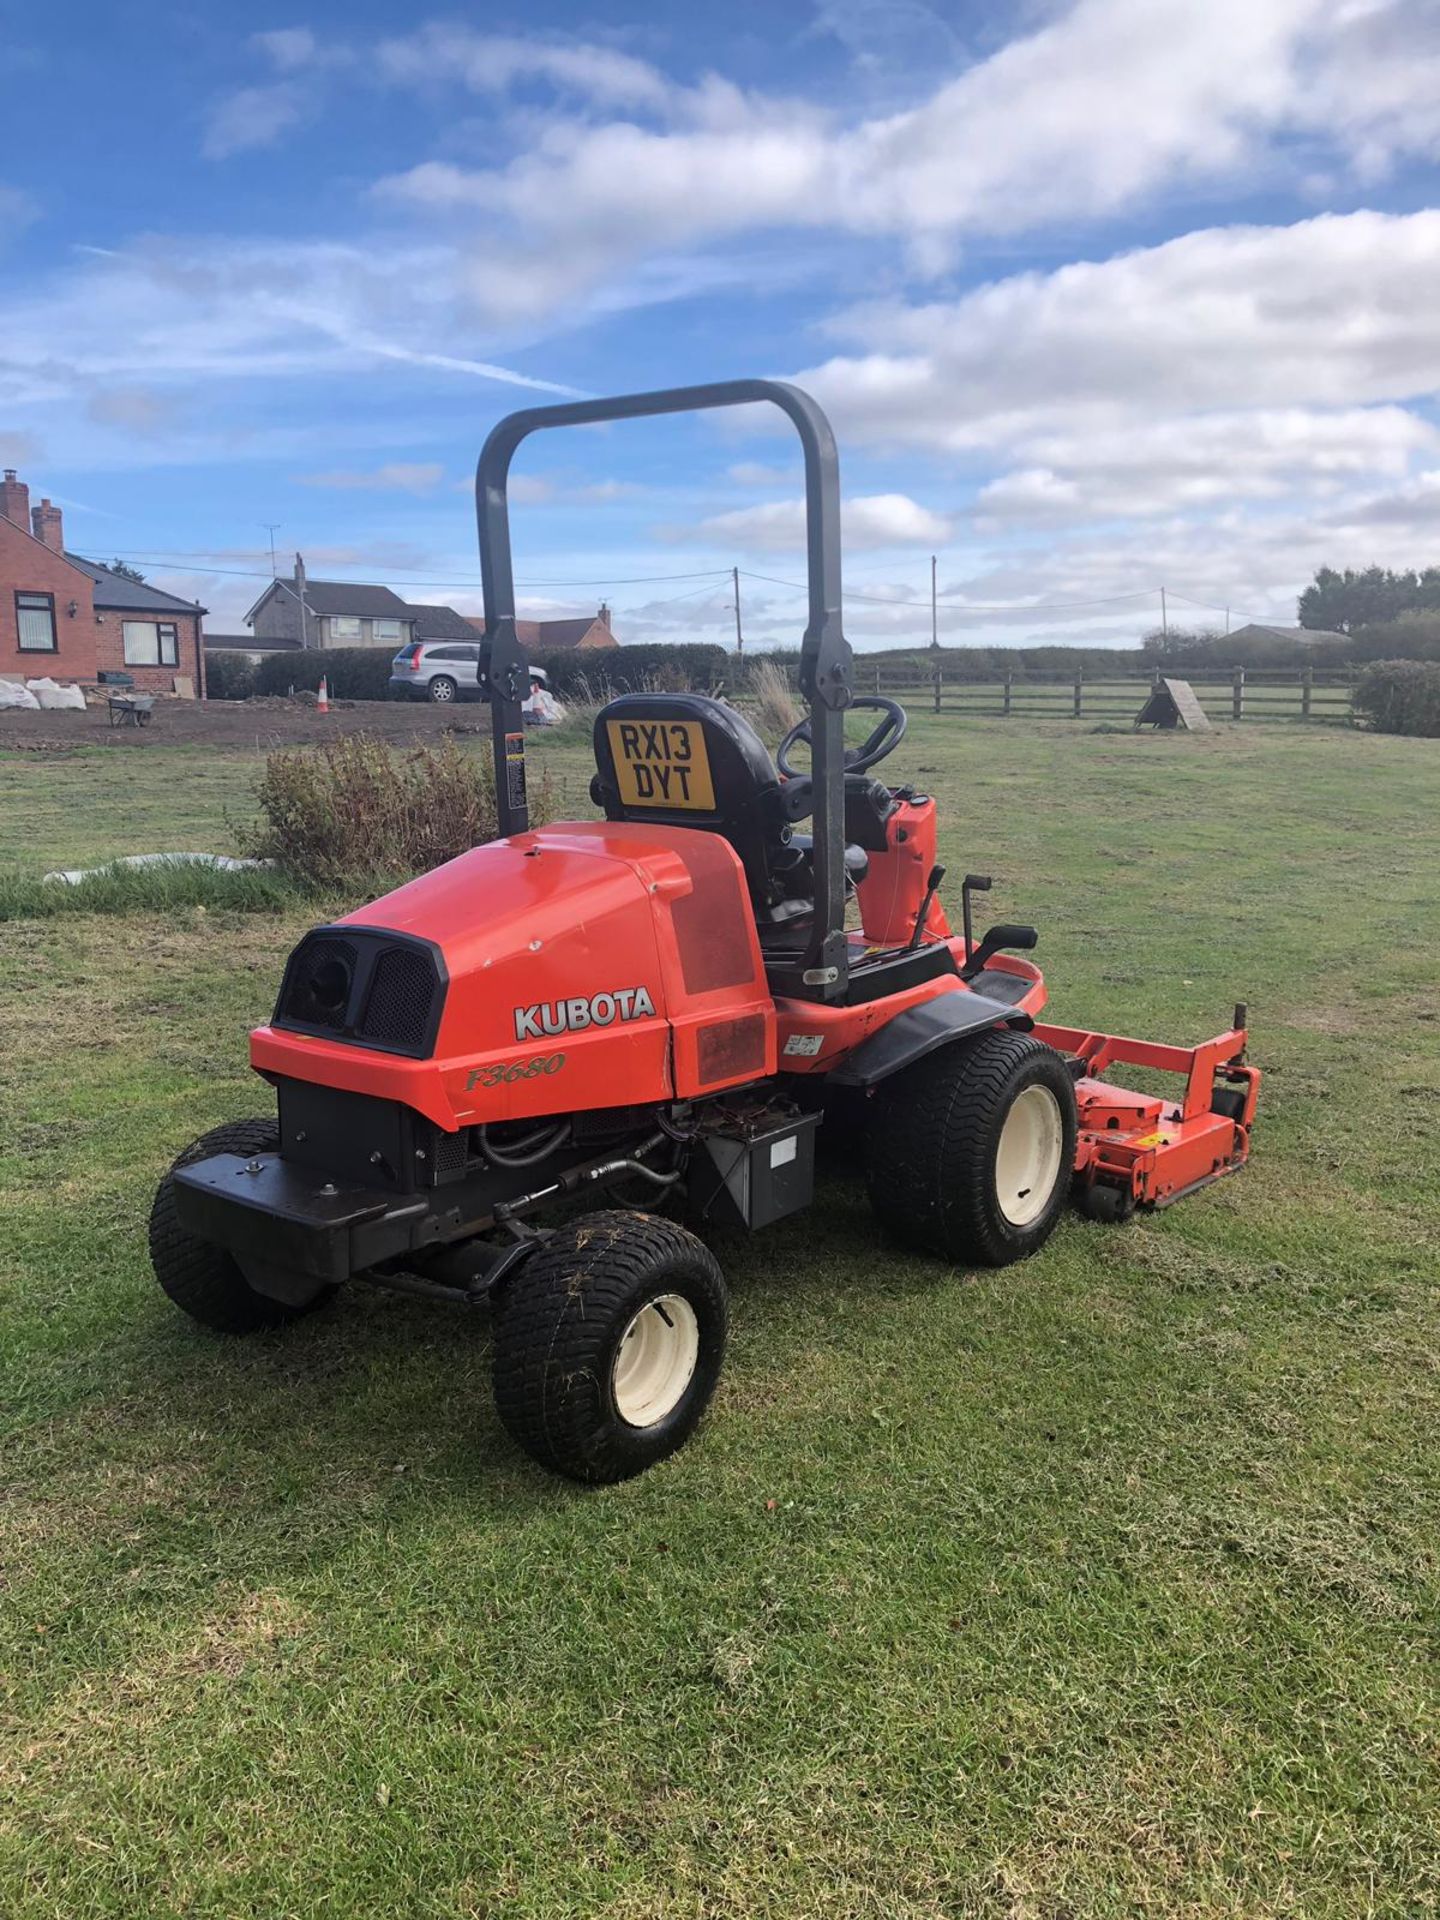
{"points": [[882, 741]]}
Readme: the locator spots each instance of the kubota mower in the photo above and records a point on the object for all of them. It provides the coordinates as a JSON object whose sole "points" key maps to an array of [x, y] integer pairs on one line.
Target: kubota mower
{"points": [[652, 1012]]}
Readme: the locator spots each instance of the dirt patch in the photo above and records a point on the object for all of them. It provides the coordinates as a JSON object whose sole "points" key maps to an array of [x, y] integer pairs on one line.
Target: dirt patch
{"points": [[236, 723]]}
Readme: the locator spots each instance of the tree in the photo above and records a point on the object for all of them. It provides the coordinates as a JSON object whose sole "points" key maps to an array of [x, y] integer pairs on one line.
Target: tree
{"points": [[126, 572], [1344, 601]]}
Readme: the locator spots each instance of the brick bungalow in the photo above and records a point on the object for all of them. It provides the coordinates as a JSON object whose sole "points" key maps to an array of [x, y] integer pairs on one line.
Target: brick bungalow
{"points": [[540, 636], [73, 619]]}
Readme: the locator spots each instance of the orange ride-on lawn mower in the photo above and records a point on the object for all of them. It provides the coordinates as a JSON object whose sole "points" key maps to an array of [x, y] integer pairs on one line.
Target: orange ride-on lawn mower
{"points": [[655, 1010]]}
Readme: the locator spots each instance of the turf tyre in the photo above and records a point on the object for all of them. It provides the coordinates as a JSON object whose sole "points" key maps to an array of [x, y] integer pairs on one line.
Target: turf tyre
{"points": [[559, 1327], [202, 1278], [935, 1143]]}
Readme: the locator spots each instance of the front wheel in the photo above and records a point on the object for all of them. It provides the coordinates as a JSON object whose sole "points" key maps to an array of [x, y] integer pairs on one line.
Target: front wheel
{"points": [[608, 1344], [971, 1149], [201, 1278]]}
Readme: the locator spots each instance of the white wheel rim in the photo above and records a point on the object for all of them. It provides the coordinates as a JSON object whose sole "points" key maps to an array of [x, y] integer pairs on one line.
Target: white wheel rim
{"points": [[655, 1361], [1027, 1160]]}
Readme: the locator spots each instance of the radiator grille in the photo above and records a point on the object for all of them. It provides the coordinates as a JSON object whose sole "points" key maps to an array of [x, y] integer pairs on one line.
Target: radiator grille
{"points": [[397, 1008]]}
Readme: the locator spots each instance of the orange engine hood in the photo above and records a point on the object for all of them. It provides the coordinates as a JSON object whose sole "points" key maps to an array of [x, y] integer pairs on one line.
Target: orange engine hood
{"points": [[587, 965]]}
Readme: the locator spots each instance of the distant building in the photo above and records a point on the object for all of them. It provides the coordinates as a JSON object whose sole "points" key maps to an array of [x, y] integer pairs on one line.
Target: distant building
{"points": [[72, 619], [543, 636], [300, 612], [1300, 636]]}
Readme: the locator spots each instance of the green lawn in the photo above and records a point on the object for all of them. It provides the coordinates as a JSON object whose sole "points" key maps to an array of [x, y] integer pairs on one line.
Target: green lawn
{"points": [[1104, 1586]]}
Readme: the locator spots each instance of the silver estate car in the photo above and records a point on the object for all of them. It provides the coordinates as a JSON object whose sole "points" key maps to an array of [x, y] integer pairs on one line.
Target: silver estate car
{"points": [[439, 670]]}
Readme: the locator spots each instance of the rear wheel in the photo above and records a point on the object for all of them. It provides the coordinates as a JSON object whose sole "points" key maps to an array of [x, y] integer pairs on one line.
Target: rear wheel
{"points": [[201, 1277], [971, 1149], [442, 689], [608, 1344]]}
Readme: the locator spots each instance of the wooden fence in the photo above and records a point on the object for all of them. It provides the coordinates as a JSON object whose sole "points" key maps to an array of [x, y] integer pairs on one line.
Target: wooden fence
{"points": [[1242, 693]]}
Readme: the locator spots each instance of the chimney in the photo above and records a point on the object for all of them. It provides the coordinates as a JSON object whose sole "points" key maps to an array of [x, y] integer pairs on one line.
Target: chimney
{"points": [[15, 499], [300, 573], [45, 521], [604, 616]]}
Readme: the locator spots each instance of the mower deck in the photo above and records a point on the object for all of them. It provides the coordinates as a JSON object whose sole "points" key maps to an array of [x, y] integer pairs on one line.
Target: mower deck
{"points": [[1151, 1150]]}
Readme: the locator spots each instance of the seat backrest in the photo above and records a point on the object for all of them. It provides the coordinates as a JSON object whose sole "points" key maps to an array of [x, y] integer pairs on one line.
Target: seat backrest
{"points": [[685, 760]]}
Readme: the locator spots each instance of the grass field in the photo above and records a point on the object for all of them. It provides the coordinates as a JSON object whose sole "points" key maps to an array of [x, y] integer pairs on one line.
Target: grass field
{"points": [[1104, 1586]]}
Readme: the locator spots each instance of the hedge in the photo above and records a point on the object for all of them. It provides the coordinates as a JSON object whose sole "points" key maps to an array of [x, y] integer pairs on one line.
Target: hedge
{"points": [[1401, 696], [228, 676], [353, 673], [592, 671]]}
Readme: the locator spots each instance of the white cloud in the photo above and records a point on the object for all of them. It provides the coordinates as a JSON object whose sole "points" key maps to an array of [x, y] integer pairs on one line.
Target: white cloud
{"points": [[754, 473], [1153, 466], [18, 210], [875, 520], [290, 48], [169, 315], [133, 409], [253, 117], [1098, 111], [18, 449], [1330, 312], [397, 476], [488, 63]]}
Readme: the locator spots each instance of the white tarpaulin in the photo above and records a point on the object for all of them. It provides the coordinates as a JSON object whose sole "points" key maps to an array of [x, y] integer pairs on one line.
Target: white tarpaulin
{"points": [[14, 695], [224, 862]]}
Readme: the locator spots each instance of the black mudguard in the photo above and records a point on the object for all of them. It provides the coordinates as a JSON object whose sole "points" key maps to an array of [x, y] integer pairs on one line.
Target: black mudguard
{"points": [[921, 1030]]}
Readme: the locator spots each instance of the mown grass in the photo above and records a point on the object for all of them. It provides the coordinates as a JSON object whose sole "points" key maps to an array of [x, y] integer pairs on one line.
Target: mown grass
{"points": [[1105, 1586]]}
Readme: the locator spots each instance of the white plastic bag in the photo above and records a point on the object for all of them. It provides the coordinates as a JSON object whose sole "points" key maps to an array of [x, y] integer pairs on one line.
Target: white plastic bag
{"points": [[542, 709], [16, 696]]}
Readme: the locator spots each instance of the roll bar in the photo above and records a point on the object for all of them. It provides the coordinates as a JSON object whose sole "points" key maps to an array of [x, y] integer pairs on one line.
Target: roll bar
{"points": [[825, 655]]}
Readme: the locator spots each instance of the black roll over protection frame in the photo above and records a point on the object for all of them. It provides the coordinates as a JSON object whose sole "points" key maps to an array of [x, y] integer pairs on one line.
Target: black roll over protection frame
{"points": [[825, 656]]}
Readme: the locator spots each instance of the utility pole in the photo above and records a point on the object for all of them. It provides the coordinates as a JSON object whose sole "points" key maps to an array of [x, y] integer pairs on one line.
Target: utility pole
{"points": [[934, 611], [272, 527], [739, 637], [1164, 618]]}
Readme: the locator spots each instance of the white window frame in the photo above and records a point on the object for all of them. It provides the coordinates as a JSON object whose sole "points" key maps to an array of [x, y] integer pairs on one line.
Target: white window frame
{"points": [[382, 634], [52, 645], [339, 621], [164, 641]]}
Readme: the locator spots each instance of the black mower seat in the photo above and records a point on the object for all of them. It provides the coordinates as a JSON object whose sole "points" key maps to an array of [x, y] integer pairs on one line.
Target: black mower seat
{"points": [[687, 760]]}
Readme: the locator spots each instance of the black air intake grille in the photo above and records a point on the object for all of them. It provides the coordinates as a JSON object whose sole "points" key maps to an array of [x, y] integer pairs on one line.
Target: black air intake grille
{"points": [[402, 991], [320, 983], [369, 988]]}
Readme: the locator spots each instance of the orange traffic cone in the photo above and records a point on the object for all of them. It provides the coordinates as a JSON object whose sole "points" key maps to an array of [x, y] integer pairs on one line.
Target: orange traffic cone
{"points": [[322, 704]]}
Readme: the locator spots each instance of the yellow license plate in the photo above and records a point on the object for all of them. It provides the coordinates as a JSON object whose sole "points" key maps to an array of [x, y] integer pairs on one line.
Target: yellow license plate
{"points": [[662, 763]]}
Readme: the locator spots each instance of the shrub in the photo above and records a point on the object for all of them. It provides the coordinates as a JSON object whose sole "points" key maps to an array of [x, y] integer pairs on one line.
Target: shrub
{"points": [[1401, 696], [353, 813], [228, 676], [353, 673], [777, 709]]}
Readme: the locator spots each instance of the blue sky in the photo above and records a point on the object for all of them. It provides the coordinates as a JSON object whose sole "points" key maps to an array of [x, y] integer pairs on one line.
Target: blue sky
{"points": [[1101, 297]]}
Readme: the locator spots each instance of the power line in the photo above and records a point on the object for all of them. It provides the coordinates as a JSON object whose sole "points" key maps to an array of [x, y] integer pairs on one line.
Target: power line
{"points": [[710, 574], [971, 606]]}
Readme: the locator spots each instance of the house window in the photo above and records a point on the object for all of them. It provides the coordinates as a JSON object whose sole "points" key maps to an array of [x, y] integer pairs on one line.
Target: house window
{"points": [[149, 643], [344, 626], [387, 630], [35, 622]]}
